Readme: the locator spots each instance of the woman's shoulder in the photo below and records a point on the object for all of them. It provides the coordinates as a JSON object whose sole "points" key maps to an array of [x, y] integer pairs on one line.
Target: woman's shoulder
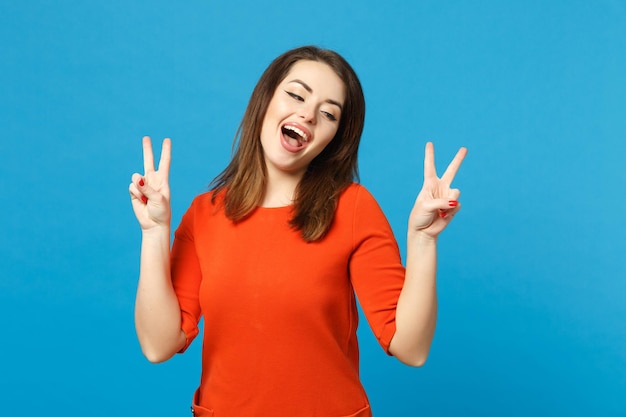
{"points": [[358, 208], [208, 200], [358, 200], [357, 192]]}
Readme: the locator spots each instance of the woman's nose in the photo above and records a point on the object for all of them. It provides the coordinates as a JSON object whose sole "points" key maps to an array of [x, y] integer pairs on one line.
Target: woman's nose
{"points": [[307, 112]]}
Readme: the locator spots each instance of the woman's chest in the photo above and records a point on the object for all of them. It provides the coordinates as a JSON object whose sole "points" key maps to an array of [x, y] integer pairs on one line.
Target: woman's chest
{"points": [[261, 264]]}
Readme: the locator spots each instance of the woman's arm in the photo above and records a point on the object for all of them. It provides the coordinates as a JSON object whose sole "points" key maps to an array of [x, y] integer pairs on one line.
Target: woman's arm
{"points": [[416, 312], [157, 313]]}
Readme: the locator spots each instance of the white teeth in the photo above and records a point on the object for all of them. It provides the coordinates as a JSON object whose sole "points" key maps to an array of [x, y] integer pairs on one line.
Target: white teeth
{"points": [[300, 133]]}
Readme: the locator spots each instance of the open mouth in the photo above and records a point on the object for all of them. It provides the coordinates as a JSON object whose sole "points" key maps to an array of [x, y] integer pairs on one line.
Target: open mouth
{"points": [[295, 135]]}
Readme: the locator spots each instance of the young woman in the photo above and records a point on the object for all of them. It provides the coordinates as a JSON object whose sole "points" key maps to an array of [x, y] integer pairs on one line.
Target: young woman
{"points": [[276, 254]]}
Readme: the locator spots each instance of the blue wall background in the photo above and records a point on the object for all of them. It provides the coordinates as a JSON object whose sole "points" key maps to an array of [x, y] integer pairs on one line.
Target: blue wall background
{"points": [[532, 277]]}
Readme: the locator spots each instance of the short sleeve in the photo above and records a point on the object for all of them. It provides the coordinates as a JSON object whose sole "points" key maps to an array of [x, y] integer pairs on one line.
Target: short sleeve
{"points": [[376, 269], [186, 275]]}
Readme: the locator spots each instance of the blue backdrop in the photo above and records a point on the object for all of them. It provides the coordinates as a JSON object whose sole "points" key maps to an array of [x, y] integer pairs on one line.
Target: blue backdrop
{"points": [[532, 276]]}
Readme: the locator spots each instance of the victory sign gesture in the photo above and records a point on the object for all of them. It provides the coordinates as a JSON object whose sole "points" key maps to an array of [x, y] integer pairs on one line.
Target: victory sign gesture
{"points": [[437, 203], [150, 193]]}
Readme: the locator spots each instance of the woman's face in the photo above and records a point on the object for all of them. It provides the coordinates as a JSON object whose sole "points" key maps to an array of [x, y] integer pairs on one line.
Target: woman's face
{"points": [[302, 117]]}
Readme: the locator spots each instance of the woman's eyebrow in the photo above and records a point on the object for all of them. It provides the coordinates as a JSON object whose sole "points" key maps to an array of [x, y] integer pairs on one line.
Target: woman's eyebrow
{"points": [[310, 90]]}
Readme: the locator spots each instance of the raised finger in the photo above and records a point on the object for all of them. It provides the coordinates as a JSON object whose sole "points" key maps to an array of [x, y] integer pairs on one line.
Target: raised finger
{"points": [[429, 161], [148, 156], [166, 157], [452, 169]]}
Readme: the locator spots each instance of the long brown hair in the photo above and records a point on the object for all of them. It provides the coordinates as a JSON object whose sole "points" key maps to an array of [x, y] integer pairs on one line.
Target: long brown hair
{"points": [[328, 174]]}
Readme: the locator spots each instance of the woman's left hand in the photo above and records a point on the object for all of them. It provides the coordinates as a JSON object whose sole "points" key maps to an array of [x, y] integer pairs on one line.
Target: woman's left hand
{"points": [[437, 203]]}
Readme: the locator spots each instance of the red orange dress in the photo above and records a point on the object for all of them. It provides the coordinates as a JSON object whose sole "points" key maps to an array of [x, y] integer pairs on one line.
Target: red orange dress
{"points": [[280, 314]]}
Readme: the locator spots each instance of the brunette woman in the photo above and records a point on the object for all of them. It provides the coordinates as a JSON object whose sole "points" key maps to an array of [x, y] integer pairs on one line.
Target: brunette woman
{"points": [[276, 254]]}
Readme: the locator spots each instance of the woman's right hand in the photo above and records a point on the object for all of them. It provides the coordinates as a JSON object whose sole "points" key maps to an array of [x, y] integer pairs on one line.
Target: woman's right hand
{"points": [[150, 193]]}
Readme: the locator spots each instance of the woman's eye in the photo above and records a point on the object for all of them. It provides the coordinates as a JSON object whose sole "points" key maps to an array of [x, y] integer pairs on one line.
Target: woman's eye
{"points": [[294, 96], [329, 116]]}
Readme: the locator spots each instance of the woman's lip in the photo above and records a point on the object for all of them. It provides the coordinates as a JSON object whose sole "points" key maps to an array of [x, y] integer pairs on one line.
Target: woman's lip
{"points": [[286, 141], [306, 131]]}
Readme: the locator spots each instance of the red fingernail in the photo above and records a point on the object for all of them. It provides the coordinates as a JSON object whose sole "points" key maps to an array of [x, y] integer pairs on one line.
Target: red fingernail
{"points": [[144, 198], [141, 182], [453, 203], [442, 214]]}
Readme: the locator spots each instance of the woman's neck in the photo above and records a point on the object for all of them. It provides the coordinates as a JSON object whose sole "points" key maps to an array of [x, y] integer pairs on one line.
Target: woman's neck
{"points": [[280, 189]]}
